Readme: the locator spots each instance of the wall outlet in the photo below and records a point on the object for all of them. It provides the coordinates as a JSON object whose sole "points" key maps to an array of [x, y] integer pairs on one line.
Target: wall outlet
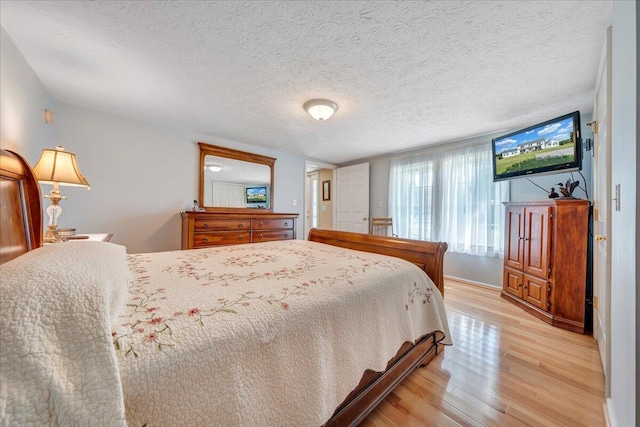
{"points": [[295, 202]]}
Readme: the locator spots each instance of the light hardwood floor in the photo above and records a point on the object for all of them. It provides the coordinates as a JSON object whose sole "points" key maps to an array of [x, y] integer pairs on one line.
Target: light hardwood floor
{"points": [[505, 367]]}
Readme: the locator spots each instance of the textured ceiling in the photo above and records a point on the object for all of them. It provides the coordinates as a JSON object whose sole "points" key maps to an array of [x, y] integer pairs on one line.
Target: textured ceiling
{"points": [[404, 74]]}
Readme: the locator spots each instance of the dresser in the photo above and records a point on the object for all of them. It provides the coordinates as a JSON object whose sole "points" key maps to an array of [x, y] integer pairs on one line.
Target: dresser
{"points": [[202, 229], [545, 260]]}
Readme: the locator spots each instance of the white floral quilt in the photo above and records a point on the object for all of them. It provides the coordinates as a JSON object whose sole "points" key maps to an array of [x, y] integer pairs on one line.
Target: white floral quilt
{"points": [[271, 334]]}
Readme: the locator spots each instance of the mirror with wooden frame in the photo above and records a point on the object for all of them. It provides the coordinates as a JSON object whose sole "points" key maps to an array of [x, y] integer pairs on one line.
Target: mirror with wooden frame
{"points": [[234, 181]]}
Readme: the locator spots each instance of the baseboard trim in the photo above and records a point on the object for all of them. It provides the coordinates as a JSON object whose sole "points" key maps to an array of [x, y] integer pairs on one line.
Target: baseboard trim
{"points": [[473, 282]]}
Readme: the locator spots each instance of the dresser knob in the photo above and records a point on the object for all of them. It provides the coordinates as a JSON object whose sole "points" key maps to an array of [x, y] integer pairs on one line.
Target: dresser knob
{"points": [[286, 235], [240, 237], [286, 223], [206, 239], [260, 224], [240, 225], [206, 225], [260, 236]]}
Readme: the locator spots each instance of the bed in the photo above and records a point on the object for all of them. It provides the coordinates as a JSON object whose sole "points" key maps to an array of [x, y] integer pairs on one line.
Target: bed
{"points": [[275, 333]]}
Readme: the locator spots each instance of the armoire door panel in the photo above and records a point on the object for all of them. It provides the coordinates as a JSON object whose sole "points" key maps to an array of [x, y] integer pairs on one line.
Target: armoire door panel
{"points": [[537, 241], [536, 292], [514, 237], [512, 282]]}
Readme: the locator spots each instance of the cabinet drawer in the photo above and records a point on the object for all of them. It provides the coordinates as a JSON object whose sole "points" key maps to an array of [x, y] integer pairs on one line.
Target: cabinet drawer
{"points": [[266, 236], [536, 292], [271, 224], [222, 224], [222, 238]]}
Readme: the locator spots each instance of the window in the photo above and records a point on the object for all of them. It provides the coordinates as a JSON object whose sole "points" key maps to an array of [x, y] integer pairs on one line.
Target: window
{"points": [[449, 195]]}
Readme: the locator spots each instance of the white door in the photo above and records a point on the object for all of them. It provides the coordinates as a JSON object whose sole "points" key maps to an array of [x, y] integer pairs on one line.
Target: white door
{"points": [[601, 209], [228, 195], [353, 198]]}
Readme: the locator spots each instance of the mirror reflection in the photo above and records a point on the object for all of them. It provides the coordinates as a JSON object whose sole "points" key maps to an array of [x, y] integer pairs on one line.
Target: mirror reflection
{"points": [[233, 180], [231, 183]]}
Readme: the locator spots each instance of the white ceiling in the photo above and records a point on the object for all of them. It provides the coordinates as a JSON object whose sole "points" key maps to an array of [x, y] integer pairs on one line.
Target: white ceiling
{"points": [[404, 74]]}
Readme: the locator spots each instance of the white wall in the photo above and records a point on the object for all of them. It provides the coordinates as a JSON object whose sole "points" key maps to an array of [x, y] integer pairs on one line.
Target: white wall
{"points": [[624, 235], [379, 186], [23, 100], [486, 270], [142, 174]]}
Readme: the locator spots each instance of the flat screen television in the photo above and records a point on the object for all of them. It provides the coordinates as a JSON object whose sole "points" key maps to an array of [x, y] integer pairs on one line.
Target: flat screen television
{"points": [[549, 147], [256, 194]]}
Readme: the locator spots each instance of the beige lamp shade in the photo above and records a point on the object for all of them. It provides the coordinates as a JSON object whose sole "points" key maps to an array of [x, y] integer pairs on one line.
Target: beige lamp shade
{"points": [[57, 165]]}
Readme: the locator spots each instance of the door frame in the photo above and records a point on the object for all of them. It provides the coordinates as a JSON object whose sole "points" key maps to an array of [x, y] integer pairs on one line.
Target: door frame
{"points": [[311, 166], [602, 291]]}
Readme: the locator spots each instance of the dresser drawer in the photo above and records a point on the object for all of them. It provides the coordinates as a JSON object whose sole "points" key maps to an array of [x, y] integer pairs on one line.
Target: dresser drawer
{"points": [[221, 224], [266, 236], [221, 238], [271, 224]]}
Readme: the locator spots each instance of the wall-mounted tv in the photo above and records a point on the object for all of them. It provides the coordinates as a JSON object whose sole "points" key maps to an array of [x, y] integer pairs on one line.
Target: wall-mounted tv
{"points": [[549, 147], [256, 194]]}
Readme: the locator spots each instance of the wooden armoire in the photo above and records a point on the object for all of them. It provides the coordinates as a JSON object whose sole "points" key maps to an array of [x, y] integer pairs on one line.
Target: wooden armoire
{"points": [[545, 262]]}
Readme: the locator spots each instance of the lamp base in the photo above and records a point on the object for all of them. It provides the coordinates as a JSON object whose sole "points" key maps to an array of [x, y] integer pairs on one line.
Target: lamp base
{"points": [[51, 236]]}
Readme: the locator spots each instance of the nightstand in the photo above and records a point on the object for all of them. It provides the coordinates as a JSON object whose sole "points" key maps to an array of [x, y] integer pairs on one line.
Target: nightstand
{"points": [[102, 237]]}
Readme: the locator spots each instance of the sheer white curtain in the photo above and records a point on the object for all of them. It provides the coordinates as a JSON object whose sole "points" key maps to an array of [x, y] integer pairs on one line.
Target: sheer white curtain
{"points": [[411, 197], [449, 195]]}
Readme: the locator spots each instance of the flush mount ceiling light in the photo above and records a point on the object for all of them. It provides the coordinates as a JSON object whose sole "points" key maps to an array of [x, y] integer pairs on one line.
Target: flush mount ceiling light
{"points": [[320, 109], [215, 168]]}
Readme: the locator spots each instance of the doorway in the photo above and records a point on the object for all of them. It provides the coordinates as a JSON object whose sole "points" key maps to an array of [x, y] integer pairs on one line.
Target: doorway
{"points": [[319, 196]]}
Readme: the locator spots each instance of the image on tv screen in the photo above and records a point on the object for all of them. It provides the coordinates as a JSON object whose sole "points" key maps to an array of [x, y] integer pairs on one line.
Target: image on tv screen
{"points": [[257, 195], [543, 147]]}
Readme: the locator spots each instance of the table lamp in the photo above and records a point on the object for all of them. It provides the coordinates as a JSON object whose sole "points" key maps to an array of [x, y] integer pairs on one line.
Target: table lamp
{"points": [[57, 167]]}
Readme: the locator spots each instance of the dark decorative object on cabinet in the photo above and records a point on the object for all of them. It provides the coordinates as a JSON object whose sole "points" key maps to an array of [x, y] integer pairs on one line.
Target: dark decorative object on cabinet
{"points": [[567, 188]]}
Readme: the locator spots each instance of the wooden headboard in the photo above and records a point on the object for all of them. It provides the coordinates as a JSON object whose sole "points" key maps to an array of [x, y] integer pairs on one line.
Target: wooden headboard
{"points": [[20, 208], [429, 256]]}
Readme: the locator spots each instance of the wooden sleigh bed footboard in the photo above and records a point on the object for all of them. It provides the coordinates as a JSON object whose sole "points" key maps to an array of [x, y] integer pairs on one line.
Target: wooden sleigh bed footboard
{"points": [[428, 256], [375, 386]]}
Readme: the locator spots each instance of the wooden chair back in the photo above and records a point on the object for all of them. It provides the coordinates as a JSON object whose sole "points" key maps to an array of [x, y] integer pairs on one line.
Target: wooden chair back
{"points": [[382, 227]]}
